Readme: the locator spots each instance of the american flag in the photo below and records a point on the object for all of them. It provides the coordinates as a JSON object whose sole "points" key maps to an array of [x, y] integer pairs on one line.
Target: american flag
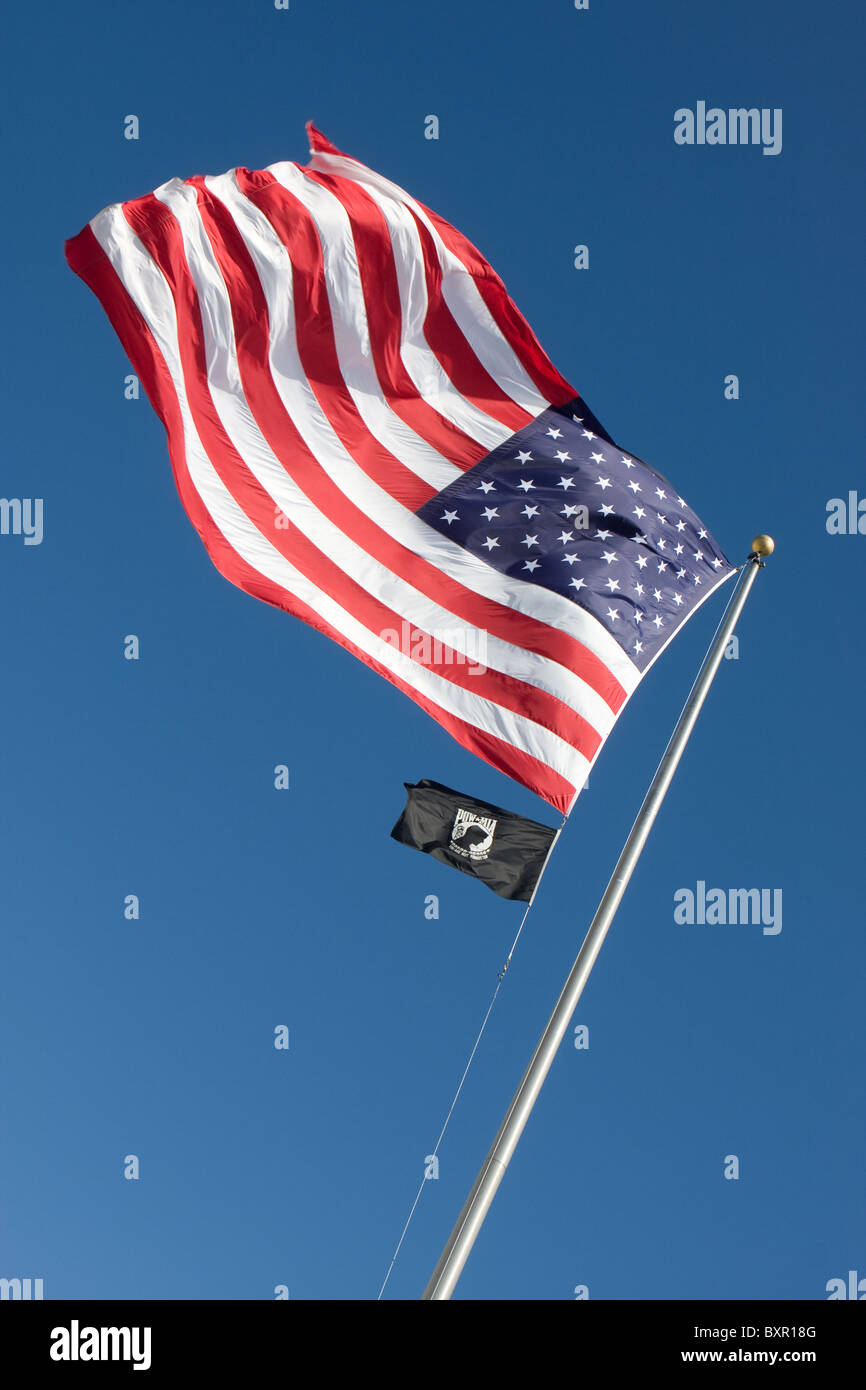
{"points": [[366, 433]]}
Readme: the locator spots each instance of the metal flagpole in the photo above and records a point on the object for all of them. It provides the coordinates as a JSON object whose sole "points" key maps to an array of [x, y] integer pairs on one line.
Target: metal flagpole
{"points": [[457, 1250]]}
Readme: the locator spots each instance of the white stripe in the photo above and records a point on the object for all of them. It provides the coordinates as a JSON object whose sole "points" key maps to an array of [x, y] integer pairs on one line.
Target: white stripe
{"points": [[146, 286], [461, 295], [422, 365], [351, 338], [272, 265], [226, 389], [459, 289], [420, 361]]}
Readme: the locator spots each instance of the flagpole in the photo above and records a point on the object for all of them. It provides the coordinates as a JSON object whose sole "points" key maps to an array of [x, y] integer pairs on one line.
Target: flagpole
{"points": [[459, 1245]]}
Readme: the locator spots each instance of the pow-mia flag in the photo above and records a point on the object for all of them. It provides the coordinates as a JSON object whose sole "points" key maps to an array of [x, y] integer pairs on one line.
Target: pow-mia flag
{"points": [[504, 851]]}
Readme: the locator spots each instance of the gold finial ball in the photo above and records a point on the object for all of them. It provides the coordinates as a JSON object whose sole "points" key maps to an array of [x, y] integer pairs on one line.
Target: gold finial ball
{"points": [[763, 545]]}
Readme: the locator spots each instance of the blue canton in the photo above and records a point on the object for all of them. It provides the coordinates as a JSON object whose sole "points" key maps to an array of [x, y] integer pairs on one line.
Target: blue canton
{"points": [[559, 505]]}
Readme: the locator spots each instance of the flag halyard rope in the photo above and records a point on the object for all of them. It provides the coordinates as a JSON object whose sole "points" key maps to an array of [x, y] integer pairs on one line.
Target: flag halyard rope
{"points": [[500, 979]]}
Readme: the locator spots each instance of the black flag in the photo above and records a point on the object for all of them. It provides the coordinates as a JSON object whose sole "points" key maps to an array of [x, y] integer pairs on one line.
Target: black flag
{"points": [[502, 850]]}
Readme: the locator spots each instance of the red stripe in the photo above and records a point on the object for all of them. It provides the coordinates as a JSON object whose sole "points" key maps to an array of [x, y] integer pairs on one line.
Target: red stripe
{"points": [[318, 141], [442, 332], [508, 318], [523, 767], [506, 315], [250, 317], [86, 258], [316, 343], [384, 313]]}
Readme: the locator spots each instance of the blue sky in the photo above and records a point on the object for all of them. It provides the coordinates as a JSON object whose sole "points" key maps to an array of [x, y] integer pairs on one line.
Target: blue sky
{"points": [[258, 908]]}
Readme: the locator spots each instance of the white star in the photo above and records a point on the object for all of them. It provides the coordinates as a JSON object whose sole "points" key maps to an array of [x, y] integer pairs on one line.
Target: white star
{"points": [[662, 566], [532, 565], [681, 526], [717, 564], [638, 646], [562, 456], [588, 434], [638, 588], [528, 511], [678, 599], [681, 574], [571, 559], [598, 458], [662, 519], [577, 584], [678, 549], [489, 543], [523, 457], [526, 484], [681, 502], [578, 420], [660, 492], [635, 487], [659, 622], [699, 555], [628, 463], [565, 483], [529, 540], [606, 509], [701, 534], [639, 617], [486, 487], [657, 595], [555, 434], [698, 579], [639, 512], [602, 535], [613, 614], [565, 537], [603, 482], [489, 513], [610, 556], [449, 517], [642, 562], [612, 584], [567, 510], [661, 543]]}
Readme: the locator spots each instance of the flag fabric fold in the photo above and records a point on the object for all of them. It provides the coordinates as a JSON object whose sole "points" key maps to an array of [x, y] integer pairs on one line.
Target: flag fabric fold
{"points": [[504, 851], [366, 433]]}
